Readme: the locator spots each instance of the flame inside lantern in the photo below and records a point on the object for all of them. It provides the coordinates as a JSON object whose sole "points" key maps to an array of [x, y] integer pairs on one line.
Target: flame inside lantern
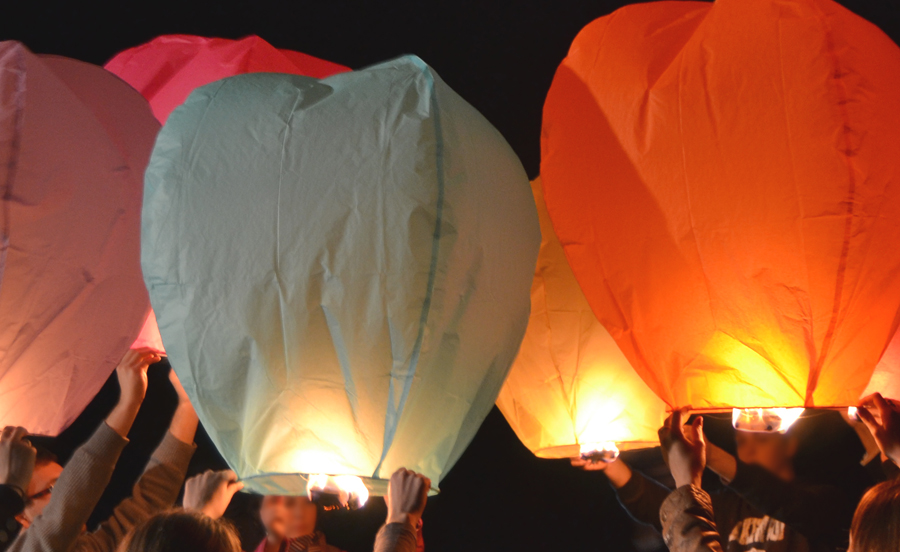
{"points": [[600, 452], [765, 420], [348, 488]]}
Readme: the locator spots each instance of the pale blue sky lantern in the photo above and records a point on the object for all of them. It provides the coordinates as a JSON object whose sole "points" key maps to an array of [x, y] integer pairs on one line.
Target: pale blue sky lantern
{"points": [[340, 268]]}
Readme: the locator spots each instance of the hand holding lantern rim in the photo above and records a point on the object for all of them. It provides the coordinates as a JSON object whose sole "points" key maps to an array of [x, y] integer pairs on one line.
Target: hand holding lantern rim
{"points": [[17, 457], [885, 428], [686, 453], [406, 497], [211, 491]]}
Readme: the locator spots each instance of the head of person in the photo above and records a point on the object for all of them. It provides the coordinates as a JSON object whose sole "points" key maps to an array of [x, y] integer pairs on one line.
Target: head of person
{"points": [[876, 523], [288, 516], [46, 472], [303, 514], [182, 531], [773, 451]]}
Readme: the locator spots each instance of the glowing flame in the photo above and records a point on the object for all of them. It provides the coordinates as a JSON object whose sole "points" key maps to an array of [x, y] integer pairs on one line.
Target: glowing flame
{"points": [[346, 487], [765, 419], [600, 452], [852, 413]]}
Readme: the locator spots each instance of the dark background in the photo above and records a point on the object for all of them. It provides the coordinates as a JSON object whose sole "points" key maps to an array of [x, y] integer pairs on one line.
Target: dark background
{"points": [[498, 54]]}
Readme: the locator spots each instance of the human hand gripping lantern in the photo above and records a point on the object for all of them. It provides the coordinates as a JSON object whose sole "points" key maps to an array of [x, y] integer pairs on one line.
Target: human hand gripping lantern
{"points": [[340, 269], [723, 179], [571, 391], [74, 143]]}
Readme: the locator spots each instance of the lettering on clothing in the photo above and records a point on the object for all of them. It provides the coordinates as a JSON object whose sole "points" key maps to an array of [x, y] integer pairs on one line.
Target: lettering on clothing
{"points": [[757, 531]]}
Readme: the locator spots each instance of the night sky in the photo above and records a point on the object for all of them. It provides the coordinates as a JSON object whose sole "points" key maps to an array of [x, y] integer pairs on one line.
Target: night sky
{"points": [[501, 57]]}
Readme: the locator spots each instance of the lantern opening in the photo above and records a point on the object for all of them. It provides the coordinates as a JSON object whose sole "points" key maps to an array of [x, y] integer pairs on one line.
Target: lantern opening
{"points": [[350, 491], [764, 420], [599, 452]]}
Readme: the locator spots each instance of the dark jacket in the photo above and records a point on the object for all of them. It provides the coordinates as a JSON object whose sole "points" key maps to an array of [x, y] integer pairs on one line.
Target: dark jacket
{"points": [[758, 511]]}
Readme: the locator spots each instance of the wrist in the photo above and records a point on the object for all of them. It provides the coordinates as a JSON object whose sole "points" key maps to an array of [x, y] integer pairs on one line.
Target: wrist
{"points": [[406, 519]]}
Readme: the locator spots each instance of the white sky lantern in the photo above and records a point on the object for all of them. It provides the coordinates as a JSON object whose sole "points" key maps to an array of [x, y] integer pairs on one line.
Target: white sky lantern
{"points": [[340, 270]]}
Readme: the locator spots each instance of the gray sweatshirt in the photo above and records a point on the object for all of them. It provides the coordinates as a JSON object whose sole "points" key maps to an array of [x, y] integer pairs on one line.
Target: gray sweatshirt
{"points": [[396, 537], [82, 482]]}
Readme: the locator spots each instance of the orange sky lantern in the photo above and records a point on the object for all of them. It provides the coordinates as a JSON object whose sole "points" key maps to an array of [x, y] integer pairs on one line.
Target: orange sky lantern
{"points": [[571, 388], [724, 180]]}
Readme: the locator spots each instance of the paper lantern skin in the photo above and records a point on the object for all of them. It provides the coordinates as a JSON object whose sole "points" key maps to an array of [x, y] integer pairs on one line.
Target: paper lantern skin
{"points": [[340, 270], [74, 142], [723, 180], [570, 384], [886, 377], [168, 68]]}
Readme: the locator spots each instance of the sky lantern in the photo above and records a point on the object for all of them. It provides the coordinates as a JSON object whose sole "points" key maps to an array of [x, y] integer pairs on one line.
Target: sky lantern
{"points": [[886, 377], [340, 269], [168, 68], [571, 390], [74, 142], [723, 179]]}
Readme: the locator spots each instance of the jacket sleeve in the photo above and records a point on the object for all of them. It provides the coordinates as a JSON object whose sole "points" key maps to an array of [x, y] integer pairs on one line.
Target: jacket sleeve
{"points": [[11, 505], [687, 522], [75, 494], [396, 537], [155, 491], [642, 498], [818, 512]]}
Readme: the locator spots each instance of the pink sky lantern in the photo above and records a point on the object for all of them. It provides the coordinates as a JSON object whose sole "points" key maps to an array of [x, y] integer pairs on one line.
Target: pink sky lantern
{"points": [[168, 68], [74, 143]]}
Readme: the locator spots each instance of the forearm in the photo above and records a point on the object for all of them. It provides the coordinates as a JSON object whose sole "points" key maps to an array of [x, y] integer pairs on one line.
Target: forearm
{"points": [[184, 423], [642, 498], [618, 473], [122, 416], [396, 537], [155, 491], [687, 521]]}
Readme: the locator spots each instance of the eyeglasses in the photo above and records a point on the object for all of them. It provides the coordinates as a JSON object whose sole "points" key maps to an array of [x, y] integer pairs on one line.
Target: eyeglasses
{"points": [[41, 494]]}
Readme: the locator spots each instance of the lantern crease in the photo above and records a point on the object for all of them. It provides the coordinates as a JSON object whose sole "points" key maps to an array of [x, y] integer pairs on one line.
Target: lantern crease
{"points": [[392, 418]]}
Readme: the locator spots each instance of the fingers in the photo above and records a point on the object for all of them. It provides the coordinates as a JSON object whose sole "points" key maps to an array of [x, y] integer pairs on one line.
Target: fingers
{"points": [[697, 436], [19, 433], [884, 409], [868, 419]]}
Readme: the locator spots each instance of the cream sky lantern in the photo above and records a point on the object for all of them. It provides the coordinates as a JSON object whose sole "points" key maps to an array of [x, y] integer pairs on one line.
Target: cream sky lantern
{"points": [[340, 270], [571, 390]]}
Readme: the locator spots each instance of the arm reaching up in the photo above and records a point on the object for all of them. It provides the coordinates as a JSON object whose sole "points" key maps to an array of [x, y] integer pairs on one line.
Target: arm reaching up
{"points": [[885, 428], [406, 499], [210, 492]]}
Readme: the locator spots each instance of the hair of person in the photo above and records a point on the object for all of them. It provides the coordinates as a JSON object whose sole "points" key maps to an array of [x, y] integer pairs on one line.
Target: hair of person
{"points": [[876, 523], [43, 456], [182, 531]]}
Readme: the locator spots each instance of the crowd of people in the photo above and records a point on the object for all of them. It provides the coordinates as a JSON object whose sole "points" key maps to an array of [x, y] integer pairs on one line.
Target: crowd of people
{"points": [[764, 504]]}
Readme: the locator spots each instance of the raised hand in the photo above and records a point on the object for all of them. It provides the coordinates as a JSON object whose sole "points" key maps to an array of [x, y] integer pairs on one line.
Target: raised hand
{"points": [[885, 427], [686, 453], [407, 495], [210, 492], [16, 459], [132, 373]]}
